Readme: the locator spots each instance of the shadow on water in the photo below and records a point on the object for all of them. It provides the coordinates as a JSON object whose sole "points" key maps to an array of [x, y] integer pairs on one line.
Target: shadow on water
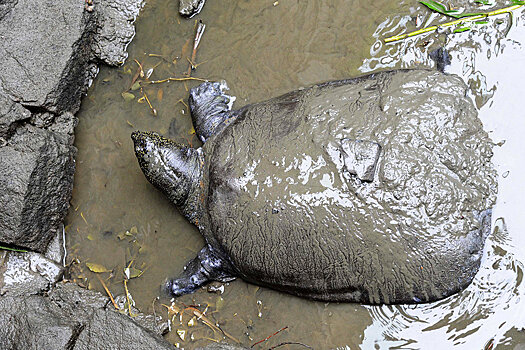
{"points": [[262, 50]]}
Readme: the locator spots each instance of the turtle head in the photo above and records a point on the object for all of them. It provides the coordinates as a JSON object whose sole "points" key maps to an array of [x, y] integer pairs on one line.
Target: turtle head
{"points": [[173, 168]]}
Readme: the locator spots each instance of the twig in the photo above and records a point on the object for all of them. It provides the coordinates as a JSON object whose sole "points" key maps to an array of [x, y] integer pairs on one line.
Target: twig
{"points": [[83, 218], [290, 343], [265, 339], [153, 110], [453, 23], [127, 296], [141, 69], [201, 317], [171, 79], [198, 36], [108, 292], [184, 103], [136, 76]]}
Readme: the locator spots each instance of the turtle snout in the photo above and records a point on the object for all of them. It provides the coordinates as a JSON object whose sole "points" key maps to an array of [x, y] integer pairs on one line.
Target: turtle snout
{"points": [[137, 137], [140, 139]]}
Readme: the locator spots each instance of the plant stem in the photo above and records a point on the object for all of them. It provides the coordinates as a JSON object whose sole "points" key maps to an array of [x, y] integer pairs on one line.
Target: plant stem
{"points": [[453, 23]]}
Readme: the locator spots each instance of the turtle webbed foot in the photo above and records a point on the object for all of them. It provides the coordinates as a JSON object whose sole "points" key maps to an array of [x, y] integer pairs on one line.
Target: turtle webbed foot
{"points": [[210, 108], [207, 266]]}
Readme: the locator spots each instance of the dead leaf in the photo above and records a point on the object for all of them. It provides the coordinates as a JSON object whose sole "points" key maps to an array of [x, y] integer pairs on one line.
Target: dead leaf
{"points": [[97, 268], [128, 96]]}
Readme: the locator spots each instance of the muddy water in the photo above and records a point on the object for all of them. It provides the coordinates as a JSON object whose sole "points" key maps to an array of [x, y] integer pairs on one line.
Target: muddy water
{"points": [[262, 50]]}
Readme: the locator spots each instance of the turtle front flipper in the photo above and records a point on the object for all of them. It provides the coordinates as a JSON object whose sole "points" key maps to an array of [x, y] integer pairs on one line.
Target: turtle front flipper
{"points": [[207, 266], [210, 108]]}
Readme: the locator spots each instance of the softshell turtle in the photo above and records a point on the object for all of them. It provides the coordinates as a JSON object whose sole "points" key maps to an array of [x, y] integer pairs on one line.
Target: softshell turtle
{"points": [[372, 190]]}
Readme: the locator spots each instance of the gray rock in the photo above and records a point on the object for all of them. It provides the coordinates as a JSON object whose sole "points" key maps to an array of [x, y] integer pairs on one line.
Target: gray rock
{"points": [[48, 51], [56, 249], [10, 115], [70, 318], [27, 273], [36, 172], [6, 6], [115, 29], [189, 8], [45, 49]]}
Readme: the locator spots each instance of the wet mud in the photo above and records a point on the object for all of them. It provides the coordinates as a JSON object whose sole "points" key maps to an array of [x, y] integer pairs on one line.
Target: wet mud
{"points": [[263, 51]]}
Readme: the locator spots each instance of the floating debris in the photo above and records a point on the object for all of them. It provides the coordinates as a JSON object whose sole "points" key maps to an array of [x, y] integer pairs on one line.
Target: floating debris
{"points": [[200, 27], [462, 19], [128, 96], [97, 268], [268, 337], [182, 334], [108, 292]]}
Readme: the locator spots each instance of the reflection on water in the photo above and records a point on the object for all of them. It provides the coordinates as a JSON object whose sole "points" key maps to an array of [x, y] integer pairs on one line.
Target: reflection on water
{"points": [[263, 50]]}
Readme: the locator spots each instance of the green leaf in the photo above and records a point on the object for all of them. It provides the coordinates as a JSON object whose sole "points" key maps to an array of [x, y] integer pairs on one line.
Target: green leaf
{"points": [[435, 6], [462, 29], [13, 249], [440, 8], [136, 85], [133, 272], [481, 22]]}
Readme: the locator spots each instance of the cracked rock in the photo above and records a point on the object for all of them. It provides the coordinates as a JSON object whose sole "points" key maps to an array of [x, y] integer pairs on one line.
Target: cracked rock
{"points": [[70, 318], [114, 29], [36, 172], [45, 48]]}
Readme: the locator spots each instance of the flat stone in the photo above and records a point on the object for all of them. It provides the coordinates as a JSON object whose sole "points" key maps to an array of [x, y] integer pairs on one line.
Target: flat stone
{"points": [[56, 249], [27, 273], [10, 114]]}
